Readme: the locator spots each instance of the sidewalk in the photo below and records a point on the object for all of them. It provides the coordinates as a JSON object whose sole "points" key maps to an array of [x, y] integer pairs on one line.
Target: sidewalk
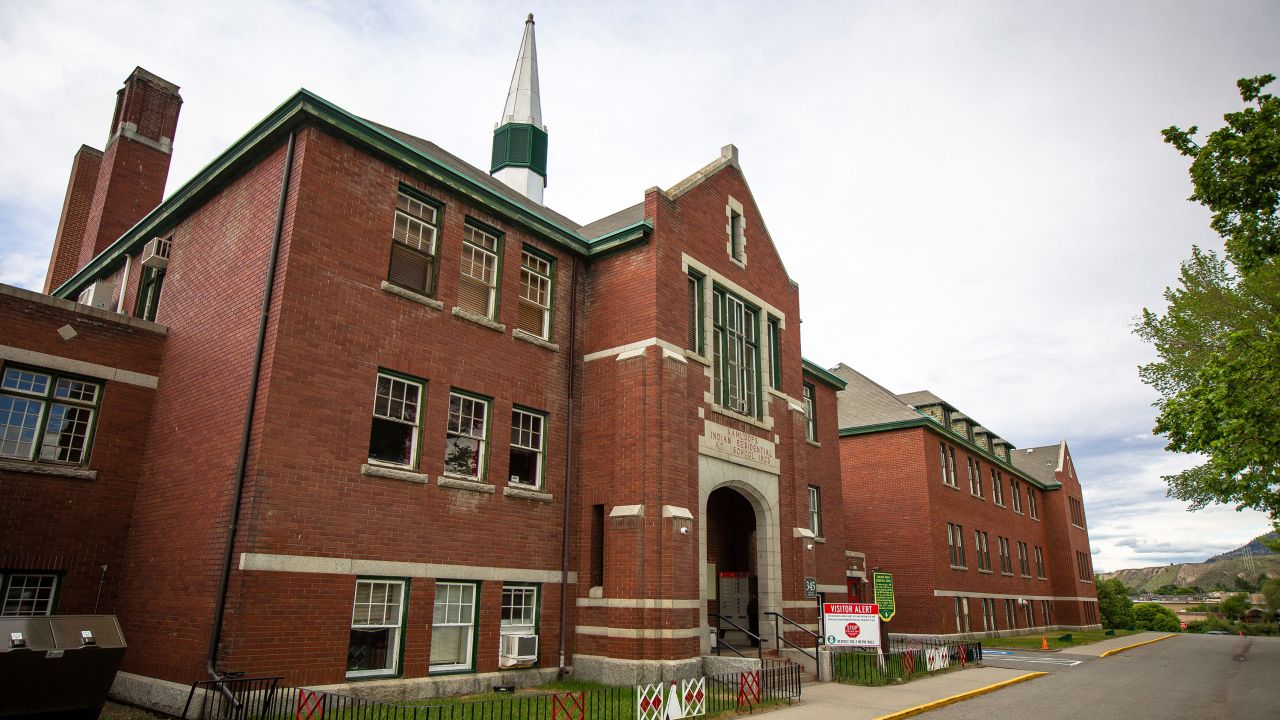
{"points": [[1098, 648], [855, 702]]}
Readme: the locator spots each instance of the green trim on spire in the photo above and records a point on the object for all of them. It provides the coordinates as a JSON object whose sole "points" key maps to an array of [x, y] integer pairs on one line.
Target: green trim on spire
{"points": [[520, 145]]}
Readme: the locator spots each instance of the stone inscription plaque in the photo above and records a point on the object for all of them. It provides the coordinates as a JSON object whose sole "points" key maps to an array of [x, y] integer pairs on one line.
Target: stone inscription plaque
{"points": [[736, 445]]}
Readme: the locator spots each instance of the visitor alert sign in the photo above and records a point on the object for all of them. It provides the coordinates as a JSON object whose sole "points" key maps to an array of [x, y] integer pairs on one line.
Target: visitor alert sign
{"points": [[851, 624]]}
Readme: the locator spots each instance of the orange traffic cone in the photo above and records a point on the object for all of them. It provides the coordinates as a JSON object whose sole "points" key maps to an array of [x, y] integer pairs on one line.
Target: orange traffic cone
{"points": [[1044, 643]]}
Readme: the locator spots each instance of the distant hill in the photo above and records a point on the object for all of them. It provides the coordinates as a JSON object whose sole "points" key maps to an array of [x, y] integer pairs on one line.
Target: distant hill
{"points": [[1247, 562], [1254, 547]]}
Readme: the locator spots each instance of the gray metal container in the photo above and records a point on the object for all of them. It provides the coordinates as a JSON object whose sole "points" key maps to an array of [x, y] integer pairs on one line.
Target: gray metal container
{"points": [[58, 666]]}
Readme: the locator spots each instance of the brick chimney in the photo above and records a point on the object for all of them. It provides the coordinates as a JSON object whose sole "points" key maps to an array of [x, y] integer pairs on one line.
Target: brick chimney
{"points": [[110, 191]]}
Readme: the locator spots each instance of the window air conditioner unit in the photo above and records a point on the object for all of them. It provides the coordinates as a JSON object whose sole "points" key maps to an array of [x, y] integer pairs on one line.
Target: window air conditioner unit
{"points": [[98, 295], [518, 650], [155, 254]]}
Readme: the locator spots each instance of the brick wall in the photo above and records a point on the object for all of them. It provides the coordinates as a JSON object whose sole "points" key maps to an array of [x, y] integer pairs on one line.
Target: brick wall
{"points": [[69, 525]]}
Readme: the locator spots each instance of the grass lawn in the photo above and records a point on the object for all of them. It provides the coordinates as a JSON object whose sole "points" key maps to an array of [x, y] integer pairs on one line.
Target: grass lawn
{"points": [[1032, 642]]}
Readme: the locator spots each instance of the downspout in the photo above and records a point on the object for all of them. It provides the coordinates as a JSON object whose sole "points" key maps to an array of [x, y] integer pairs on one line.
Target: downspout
{"points": [[568, 468], [216, 636]]}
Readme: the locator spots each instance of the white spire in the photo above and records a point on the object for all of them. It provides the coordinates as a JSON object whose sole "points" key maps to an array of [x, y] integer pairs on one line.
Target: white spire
{"points": [[523, 103]]}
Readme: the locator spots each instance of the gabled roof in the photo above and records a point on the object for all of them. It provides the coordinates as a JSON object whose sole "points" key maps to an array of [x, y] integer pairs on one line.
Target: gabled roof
{"points": [[865, 402], [921, 398], [1039, 462], [820, 373], [398, 147]]}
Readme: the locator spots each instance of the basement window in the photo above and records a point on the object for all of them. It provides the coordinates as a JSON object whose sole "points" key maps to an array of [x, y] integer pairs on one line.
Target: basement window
{"points": [[377, 623], [28, 594]]}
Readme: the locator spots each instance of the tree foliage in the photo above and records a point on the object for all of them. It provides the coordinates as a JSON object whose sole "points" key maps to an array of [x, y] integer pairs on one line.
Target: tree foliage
{"points": [[1271, 591], [1114, 604], [1218, 341], [1235, 606], [1150, 616], [1236, 174]]}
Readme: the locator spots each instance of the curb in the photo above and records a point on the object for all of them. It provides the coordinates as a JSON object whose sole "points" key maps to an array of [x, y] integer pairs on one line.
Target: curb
{"points": [[961, 696], [1118, 650]]}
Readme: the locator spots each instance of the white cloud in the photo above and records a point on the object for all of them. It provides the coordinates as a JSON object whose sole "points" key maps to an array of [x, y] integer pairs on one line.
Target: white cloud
{"points": [[974, 197]]}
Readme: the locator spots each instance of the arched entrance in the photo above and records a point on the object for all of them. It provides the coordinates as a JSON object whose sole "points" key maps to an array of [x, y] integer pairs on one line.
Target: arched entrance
{"points": [[733, 566]]}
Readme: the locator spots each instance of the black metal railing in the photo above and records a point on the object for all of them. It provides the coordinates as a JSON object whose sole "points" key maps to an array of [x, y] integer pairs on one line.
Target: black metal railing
{"points": [[234, 698], [863, 667], [780, 637], [775, 682], [720, 641]]}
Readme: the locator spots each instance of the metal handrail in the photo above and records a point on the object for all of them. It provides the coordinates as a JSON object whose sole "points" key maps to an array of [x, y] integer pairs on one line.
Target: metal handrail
{"points": [[758, 639], [781, 639]]}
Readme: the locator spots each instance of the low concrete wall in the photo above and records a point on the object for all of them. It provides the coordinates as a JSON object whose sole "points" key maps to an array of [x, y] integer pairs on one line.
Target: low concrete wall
{"points": [[148, 692], [404, 689], [611, 671]]}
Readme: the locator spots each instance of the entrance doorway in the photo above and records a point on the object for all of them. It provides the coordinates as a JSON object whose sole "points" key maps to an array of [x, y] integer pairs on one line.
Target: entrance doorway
{"points": [[732, 567]]}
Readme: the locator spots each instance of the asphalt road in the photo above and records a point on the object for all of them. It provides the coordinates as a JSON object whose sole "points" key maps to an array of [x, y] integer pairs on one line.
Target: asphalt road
{"points": [[1205, 677], [1034, 661]]}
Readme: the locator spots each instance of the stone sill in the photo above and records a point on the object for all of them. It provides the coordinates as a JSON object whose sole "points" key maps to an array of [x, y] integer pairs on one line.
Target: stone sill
{"points": [[412, 296], [33, 468], [527, 494], [390, 473], [726, 412], [479, 320], [812, 443], [692, 355], [459, 483], [534, 340]]}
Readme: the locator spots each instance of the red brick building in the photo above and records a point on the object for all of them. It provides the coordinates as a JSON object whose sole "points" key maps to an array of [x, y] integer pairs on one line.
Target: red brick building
{"points": [[367, 414], [982, 539]]}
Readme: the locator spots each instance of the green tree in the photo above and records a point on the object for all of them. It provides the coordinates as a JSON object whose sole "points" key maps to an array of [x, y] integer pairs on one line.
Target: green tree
{"points": [[1271, 591], [1150, 616], [1236, 174], [1235, 606], [1114, 604], [1218, 342]]}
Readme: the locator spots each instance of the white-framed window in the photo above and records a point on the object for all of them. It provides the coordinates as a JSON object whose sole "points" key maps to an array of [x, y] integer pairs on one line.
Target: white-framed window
{"points": [[810, 414], [1031, 503], [377, 624], [466, 436], [984, 553], [1039, 562], [975, 477], [413, 246], [453, 623], [1015, 492], [534, 315], [1011, 613], [988, 614], [942, 460], [815, 510], [951, 467], [519, 609], [397, 416], [1024, 562], [955, 545], [527, 446], [997, 487], [1046, 611], [27, 594], [1006, 560], [478, 287], [45, 416], [962, 614], [1077, 512], [1030, 608], [737, 354]]}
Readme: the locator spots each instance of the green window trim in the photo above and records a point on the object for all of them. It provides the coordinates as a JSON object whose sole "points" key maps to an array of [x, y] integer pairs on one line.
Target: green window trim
{"points": [[470, 666], [550, 276], [775, 353], [736, 365], [482, 461], [418, 425], [810, 413], [48, 398], [537, 614], [148, 301], [697, 313], [402, 629]]}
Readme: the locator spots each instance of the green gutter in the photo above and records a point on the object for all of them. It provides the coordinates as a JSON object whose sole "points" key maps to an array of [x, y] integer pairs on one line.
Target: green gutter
{"points": [[823, 374], [620, 237], [305, 105], [932, 424]]}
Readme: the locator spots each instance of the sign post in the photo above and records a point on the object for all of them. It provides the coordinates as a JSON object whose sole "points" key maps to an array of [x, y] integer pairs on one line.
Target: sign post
{"points": [[851, 624]]}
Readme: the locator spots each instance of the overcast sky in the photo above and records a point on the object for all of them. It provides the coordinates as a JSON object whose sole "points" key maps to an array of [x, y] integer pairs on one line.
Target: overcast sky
{"points": [[974, 197]]}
